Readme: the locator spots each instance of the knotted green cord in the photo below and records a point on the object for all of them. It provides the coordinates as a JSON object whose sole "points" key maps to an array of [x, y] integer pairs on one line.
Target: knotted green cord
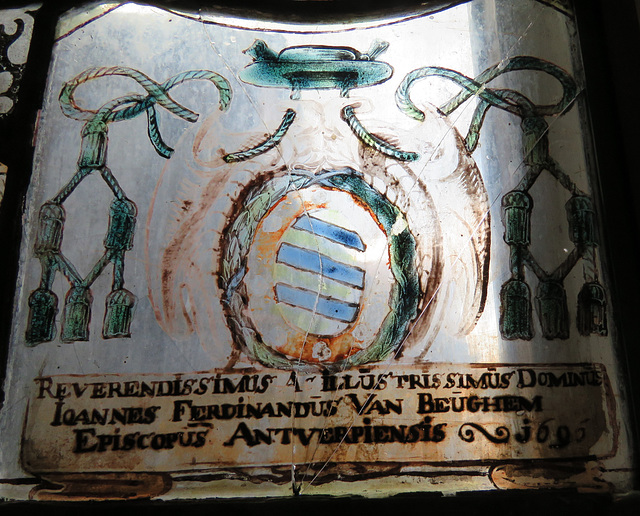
{"points": [[130, 106], [507, 100]]}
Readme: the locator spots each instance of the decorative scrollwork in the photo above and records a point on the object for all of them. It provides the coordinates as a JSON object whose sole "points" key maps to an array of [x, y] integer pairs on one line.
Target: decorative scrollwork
{"points": [[467, 434], [6, 65]]}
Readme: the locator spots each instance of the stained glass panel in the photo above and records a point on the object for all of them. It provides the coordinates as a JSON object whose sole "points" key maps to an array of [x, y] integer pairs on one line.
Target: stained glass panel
{"points": [[265, 258]]}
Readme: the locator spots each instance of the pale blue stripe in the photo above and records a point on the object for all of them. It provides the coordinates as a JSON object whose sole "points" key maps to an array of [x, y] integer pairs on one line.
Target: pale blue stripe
{"points": [[322, 305], [313, 261], [330, 232]]}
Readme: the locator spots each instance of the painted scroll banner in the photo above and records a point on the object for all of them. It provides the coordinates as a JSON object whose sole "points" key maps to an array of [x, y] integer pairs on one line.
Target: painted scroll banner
{"points": [[432, 413]]}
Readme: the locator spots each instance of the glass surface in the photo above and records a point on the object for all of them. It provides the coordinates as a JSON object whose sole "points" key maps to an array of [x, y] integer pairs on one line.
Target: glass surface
{"points": [[264, 259]]}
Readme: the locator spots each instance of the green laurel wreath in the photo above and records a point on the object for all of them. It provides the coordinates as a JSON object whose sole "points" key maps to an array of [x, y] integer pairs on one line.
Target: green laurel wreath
{"points": [[405, 293]]}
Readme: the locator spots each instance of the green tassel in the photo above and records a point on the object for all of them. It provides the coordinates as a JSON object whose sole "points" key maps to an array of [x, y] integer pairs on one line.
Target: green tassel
{"points": [[50, 227], [581, 216], [592, 310], [119, 314], [535, 140], [122, 224], [516, 217], [515, 311], [76, 315], [553, 312], [93, 147], [43, 307]]}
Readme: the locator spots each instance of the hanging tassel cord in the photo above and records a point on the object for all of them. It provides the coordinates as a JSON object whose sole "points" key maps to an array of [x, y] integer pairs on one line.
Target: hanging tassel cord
{"points": [[68, 189], [49, 266], [516, 261], [530, 262], [589, 266], [118, 270], [563, 270], [113, 184], [529, 178], [68, 270], [92, 158]]}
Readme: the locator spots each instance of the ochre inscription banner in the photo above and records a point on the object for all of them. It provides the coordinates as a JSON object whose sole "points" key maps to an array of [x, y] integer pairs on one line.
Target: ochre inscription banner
{"points": [[422, 414]]}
